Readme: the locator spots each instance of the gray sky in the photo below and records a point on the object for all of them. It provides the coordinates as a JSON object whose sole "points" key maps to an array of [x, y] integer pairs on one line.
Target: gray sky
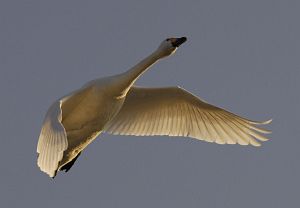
{"points": [[241, 55]]}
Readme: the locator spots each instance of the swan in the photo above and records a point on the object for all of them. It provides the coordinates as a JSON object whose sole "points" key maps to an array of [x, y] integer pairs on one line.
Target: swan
{"points": [[114, 105]]}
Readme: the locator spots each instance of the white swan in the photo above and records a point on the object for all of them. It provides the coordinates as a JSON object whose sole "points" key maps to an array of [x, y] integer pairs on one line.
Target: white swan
{"points": [[114, 105]]}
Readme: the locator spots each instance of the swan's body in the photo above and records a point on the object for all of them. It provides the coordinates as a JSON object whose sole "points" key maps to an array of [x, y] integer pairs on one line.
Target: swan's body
{"points": [[115, 106]]}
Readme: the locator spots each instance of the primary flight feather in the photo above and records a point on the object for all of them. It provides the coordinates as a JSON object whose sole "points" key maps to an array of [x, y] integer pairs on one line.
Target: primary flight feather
{"points": [[114, 105]]}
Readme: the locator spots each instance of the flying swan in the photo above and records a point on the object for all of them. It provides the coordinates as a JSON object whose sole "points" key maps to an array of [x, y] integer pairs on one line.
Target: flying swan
{"points": [[114, 105]]}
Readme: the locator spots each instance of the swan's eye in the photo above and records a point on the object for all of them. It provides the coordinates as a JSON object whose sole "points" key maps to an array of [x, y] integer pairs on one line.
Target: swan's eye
{"points": [[167, 39]]}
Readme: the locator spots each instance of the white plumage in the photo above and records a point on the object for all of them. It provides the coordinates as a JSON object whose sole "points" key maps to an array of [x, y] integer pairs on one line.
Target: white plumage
{"points": [[173, 111], [114, 105]]}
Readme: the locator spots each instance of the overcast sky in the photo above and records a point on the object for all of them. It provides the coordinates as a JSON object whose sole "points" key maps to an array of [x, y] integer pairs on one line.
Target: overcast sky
{"points": [[241, 55]]}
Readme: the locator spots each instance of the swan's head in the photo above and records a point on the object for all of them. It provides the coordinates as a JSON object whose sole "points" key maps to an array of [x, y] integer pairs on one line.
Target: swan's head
{"points": [[169, 46]]}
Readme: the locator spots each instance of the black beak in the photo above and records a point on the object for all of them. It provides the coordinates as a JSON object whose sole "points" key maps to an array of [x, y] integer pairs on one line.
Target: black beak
{"points": [[179, 41]]}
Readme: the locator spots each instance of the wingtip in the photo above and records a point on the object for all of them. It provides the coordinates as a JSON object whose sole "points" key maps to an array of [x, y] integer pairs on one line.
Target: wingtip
{"points": [[254, 143], [269, 121], [261, 122]]}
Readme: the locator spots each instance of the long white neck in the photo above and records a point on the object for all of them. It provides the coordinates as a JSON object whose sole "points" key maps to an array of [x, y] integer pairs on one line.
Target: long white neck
{"points": [[129, 77]]}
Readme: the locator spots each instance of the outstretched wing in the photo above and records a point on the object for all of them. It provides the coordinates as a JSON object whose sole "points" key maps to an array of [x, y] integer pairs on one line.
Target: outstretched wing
{"points": [[173, 111]]}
